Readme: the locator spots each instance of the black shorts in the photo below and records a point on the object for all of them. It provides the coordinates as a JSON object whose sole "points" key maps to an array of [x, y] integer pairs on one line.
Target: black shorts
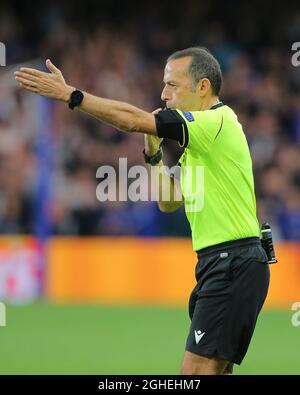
{"points": [[232, 285]]}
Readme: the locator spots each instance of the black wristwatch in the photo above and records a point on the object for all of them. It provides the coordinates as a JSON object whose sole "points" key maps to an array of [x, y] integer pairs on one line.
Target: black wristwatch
{"points": [[75, 99], [154, 159]]}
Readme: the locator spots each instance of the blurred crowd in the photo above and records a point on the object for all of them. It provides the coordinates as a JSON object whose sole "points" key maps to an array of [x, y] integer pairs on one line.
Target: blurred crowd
{"points": [[119, 53]]}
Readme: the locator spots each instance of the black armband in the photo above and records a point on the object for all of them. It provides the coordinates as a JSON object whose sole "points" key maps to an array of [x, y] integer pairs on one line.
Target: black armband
{"points": [[170, 125]]}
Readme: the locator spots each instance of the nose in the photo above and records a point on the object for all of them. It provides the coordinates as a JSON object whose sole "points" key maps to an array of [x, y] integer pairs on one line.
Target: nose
{"points": [[165, 94]]}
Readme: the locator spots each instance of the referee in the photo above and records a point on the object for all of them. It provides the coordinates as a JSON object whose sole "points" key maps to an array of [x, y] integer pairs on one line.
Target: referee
{"points": [[232, 272]]}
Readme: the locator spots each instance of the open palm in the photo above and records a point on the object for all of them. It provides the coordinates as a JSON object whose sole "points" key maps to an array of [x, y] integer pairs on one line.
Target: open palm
{"points": [[51, 84]]}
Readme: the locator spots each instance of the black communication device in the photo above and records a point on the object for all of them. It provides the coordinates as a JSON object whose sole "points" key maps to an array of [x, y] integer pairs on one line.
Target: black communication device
{"points": [[267, 242]]}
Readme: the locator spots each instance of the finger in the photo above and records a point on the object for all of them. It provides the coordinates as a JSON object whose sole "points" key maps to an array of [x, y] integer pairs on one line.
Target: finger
{"points": [[28, 87], [51, 67], [156, 111], [26, 81], [28, 77], [30, 71]]}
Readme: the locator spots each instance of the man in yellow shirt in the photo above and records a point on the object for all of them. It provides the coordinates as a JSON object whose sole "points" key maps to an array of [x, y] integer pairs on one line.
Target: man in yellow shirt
{"points": [[232, 272]]}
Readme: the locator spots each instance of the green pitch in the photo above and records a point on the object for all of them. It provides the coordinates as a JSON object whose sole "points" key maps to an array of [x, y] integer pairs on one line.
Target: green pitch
{"points": [[51, 339]]}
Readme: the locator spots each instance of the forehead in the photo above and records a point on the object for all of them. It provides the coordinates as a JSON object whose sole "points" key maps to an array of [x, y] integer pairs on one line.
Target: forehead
{"points": [[177, 68]]}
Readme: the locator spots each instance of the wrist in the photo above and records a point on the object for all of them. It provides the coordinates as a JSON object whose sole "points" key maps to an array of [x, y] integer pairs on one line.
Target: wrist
{"points": [[151, 151], [152, 144], [151, 147], [66, 94], [155, 158]]}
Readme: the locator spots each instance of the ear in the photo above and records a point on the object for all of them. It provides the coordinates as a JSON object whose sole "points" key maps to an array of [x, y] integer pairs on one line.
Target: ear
{"points": [[203, 86]]}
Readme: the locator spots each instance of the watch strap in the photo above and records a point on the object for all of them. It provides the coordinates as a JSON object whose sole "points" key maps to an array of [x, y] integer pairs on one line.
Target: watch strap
{"points": [[75, 99], [154, 159]]}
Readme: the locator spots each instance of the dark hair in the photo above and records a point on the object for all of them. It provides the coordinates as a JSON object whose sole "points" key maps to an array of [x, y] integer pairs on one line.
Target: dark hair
{"points": [[203, 65]]}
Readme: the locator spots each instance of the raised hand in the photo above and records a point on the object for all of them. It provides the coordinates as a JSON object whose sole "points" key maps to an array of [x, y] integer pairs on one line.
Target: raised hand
{"points": [[51, 84]]}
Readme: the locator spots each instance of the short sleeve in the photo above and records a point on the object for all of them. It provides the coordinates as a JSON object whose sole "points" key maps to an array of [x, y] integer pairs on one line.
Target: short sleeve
{"points": [[203, 127]]}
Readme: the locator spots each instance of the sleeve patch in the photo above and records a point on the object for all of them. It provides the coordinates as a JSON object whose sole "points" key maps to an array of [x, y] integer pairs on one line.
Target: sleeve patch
{"points": [[188, 115]]}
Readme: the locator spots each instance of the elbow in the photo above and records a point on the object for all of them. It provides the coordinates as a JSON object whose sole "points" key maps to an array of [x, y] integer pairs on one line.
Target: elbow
{"points": [[132, 127], [140, 122]]}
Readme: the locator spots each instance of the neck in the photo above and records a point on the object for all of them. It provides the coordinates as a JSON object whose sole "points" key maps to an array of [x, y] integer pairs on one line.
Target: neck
{"points": [[208, 102]]}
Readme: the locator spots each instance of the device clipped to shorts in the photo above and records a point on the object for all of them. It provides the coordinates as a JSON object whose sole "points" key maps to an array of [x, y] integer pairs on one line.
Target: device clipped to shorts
{"points": [[267, 242]]}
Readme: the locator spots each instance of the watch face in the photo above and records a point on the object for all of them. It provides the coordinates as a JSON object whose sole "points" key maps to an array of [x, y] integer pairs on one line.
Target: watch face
{"points": [[76, 97]]}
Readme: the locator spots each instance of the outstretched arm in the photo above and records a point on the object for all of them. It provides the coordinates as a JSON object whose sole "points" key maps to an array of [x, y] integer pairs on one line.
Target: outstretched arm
{"points": [[121, 115]]}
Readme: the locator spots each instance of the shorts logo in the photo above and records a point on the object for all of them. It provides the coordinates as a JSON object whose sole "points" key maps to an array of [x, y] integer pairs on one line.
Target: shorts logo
{"points": [[224, 255], [198, 336], [188, 116]]}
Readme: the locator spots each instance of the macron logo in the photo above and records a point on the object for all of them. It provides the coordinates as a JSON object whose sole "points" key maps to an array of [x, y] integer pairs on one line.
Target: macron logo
{"points": [[198, 336]]}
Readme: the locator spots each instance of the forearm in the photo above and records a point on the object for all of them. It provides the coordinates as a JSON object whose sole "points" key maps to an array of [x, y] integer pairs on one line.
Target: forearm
{"points": [[168, 191], [120, 115]]}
